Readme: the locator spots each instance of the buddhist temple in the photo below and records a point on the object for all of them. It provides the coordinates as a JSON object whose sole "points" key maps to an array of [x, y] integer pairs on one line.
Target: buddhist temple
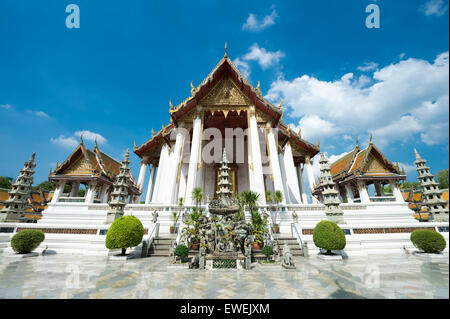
{"points": [[267, 154], [92, 168], [355, 171]]}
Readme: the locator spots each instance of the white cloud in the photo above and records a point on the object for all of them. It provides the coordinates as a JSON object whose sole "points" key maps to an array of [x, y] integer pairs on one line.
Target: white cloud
{"points": [[434, 7], [368, 66], [91, 136], [39, 113], [242, 66], [408, 168], [74, 140], [5, 106], [254, 24], [69, 142], [402, 55], [400, 101], [264, 58]]}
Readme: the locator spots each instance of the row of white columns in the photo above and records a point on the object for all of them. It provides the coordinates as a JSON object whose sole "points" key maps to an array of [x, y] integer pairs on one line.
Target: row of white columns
{"points": [[90, 191], [364, 195], [166, 189]]}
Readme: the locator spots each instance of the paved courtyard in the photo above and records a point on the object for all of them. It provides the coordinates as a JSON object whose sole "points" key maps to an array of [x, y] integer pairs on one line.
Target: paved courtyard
{"points": [[68, 276]]}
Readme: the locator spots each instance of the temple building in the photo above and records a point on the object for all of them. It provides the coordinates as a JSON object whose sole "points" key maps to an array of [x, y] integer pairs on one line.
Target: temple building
{"points": [[270, 157], [355, 171], [92, 168]]}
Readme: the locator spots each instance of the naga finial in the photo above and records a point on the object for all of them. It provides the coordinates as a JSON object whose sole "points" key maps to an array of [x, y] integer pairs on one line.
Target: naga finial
{"points": [[370, 142], [192, 89], [258, 89], [135, 144], [226, 50], [300, 132], [171, 106], [153, 132]]}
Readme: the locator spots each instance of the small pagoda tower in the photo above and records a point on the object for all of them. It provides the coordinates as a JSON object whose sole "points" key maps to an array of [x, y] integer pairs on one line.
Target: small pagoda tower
{"points": [[224, 183], [17, 204], [329, 192], [432, 196], [121, 191]]}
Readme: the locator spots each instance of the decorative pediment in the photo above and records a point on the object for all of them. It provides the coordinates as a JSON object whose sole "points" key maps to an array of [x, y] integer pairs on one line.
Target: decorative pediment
{"points": [[374, 165], [225, 92], [80, 167]]}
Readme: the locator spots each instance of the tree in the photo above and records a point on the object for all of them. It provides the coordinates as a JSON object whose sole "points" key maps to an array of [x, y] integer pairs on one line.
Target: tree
{"points": [[406, 186], [124, 232], [442, 177], [197, 195], [46, 186], [5, 182], [278, 198], [329, 236], [268, 196]]}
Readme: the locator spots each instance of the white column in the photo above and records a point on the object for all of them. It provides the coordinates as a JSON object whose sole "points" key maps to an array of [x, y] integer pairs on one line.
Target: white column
{"points": [[350, 196], [148, 196], [258, 177], [396, 192], [75, 188], [173, 173], [103, 193], [301, 185], [156, 197], [142, 175], [291, 174], [283, 176], [193, 160], [90, 192], [310, 174], [274, 163], [58, 191], [363, 194], [182, 182]]}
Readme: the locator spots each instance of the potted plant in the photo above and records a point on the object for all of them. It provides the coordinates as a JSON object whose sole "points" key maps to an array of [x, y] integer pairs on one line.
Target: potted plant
{"points": [[182, 252], [278, 198], [195, 243], [267, 251], [258, 241], [174, 219]]}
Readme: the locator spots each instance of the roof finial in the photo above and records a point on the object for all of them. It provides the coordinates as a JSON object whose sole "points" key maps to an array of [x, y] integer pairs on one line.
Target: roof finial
{"points": [[417, 154], [95, 140], [226, 51], [153, 132], [357, 145], [33, 156], [192, 89], [134, 144], [258, 90], [370, 142], [300, 132], [81, 138], [318, 144]]}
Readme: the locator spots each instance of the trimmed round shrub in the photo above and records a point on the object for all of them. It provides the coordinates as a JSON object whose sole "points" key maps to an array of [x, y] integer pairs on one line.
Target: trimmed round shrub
{"points": [[124, 232], [329, 236], [267, 251], [182, 251], [429, 241], [25, 241]]}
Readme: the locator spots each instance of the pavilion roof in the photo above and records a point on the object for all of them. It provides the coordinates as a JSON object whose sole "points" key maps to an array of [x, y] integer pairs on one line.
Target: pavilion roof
{"points": [[368, 162], [86, 162]]}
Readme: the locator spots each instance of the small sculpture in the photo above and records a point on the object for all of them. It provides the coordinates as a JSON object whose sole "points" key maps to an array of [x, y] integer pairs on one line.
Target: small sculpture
{"points": [[154, 217], [287, 261], [194, 262], [202, 258], [295, 217]]}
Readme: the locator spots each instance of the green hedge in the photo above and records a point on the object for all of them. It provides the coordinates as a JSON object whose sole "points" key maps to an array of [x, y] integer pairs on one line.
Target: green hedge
{"points": [[25, 241], [267, 251], [329, 236], [124, 232], [428, 241], [182, 251]]}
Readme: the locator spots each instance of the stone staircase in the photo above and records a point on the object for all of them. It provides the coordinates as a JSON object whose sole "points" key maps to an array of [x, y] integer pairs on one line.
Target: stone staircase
{"points": [[296, 250], [160, 247]]}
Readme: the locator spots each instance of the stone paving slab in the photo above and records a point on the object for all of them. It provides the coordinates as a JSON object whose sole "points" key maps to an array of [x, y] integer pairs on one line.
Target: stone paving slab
{"points": [[70, 276]]}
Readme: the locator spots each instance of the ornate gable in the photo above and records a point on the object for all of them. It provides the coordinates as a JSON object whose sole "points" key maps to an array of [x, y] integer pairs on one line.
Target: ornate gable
{"points": [[81, 166], [375, 166], [225, 92]]}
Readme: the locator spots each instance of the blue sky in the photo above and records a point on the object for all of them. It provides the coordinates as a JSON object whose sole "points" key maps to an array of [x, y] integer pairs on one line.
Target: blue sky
{"points": [[114, 75]]}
